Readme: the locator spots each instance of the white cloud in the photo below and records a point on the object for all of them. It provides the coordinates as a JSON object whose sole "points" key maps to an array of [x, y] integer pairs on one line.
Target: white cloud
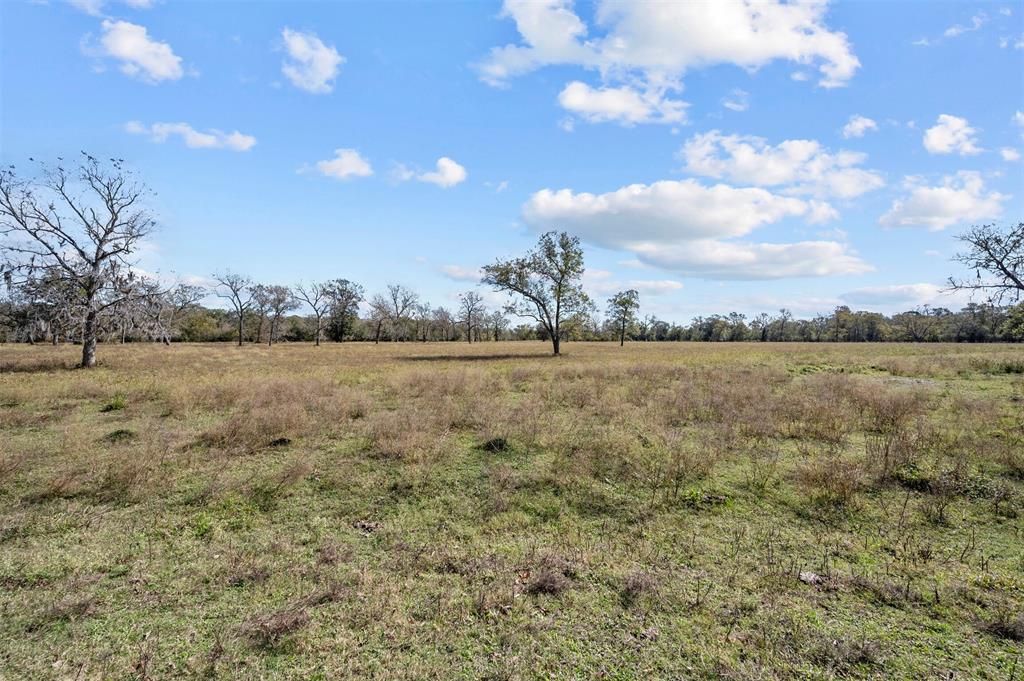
{"points": [[738, 100], [737, 260], [977, 21], [647, 47], [903, 297], [601, 283], [666, 210], [346, 163], [460, 273], [681, 225], [311, 65], [95, 7], [623, 105], [951, 134], [857, 126], [141, 56], [801, 165], [1009, 154], [448, 173], [960, 198], [193, 139]]}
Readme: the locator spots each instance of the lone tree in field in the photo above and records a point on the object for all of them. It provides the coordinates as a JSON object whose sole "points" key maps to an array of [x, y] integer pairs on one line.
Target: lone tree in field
{"points": [[279, 301], [80, 225], [318, 297], [547, 281], [471, 310], [999, 255], [622, 308], [344, 296], [238, 291]]}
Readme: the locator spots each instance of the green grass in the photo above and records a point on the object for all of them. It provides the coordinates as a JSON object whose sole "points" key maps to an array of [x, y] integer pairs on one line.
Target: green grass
{"points": [[344, 512]]}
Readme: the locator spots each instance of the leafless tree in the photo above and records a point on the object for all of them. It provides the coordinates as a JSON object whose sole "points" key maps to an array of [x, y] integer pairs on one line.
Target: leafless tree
{"points": [[999, 254], [237, 290], [279, 301], [165, 308], [396, 305], [318, 297], [471, 310], [81, 225], [443, 320]]}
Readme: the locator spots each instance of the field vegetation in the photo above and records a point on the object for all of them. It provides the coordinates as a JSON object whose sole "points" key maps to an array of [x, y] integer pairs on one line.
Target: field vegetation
{"points": [[443, 510]]}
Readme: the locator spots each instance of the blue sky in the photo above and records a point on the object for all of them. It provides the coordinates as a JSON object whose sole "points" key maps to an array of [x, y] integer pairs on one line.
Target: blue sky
{"points": [[717, 156]]}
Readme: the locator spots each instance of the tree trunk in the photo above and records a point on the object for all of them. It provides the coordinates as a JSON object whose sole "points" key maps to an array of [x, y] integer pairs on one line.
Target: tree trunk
{"points": [[376, 338], [241, 322], [555, 341], [89, 340], [622, 334], [318, 332], [469, 333]]}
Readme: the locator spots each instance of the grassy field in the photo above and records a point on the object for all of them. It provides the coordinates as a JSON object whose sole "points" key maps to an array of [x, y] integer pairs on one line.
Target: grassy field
{"points": [[487, 511]]}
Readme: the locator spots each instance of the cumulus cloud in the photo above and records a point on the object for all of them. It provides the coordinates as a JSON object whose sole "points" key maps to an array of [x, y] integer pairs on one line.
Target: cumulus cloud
{"points": [[682, 226], [1009, 154], [623, 105], [448, 173], [647, 47], [140, 56], [346, 164], [310, 65], [857, 126], [739, 260], [959, 198], [951, 134], [193, 139], [802, 166]]}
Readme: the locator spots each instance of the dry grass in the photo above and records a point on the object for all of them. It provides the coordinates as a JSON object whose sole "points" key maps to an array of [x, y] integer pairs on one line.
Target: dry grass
{"points": [[488, 511]]}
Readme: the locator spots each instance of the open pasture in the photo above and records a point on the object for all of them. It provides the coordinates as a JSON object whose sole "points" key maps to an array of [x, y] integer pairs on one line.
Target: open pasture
{"points": [[668, 510]]}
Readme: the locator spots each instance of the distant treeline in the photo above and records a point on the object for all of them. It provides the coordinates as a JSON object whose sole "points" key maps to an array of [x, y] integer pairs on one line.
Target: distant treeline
{"points": [[976, 323]]}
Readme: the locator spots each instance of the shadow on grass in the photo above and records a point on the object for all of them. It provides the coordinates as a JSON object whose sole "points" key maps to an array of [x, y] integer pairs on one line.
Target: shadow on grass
{"points": [[36, 366], [472, 358]]}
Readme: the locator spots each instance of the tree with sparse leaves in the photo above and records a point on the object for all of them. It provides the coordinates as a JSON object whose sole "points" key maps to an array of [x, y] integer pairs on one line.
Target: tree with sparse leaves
{"points": [[622, 309], [81, 225], [546, 283]]}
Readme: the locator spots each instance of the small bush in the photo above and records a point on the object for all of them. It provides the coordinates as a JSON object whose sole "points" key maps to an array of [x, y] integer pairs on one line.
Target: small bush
{"points": [[117, 403]]}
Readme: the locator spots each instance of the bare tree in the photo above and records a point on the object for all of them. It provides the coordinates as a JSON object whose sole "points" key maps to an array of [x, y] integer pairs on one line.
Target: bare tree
{"points": [[379, 313], [497, 323], [622, 308], [237, 290], [81, 225], [471, 309], [397, 304], [999, 254], [318, 297], [547, 279], [279, 301]]}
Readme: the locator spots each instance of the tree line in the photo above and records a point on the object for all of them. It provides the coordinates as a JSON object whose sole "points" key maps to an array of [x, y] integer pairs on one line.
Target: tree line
{"points": [[68, 235]]}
